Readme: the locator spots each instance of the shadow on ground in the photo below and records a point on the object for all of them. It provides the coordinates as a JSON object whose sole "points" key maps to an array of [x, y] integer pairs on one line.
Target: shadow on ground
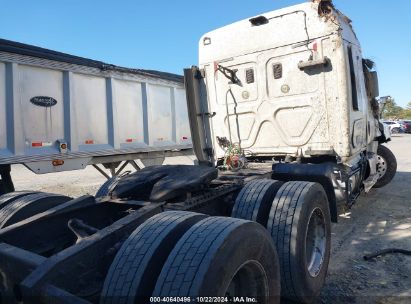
{"points": [[379, 220]]}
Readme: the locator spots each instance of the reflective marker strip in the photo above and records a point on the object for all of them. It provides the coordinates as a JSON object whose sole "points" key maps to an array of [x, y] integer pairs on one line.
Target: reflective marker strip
{"points": [[39, 144]]}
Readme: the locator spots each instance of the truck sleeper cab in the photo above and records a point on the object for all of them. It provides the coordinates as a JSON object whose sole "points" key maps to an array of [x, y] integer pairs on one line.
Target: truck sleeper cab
{"points": [[283, 120], [292, 85]]}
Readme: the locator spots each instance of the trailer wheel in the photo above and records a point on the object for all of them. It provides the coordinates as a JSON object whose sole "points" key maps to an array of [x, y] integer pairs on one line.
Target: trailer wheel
{"points": [[386, 166], [6, 199], [255, 199], [221, 257], [134, 271], [300, 226], [29, 205]]}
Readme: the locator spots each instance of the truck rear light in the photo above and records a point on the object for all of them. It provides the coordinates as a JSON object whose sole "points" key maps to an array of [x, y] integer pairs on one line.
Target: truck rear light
{"points": [[89, 142], [129, 140], [315, 46], [216, 66]]}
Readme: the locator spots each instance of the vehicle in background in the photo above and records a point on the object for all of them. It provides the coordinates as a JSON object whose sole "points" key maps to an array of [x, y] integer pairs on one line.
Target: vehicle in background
{"points": [[395, 126], [407, 125]]}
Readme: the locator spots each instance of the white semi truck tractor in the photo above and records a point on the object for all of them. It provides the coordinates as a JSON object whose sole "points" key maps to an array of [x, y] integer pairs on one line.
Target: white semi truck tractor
{"points": [[284, 119]]}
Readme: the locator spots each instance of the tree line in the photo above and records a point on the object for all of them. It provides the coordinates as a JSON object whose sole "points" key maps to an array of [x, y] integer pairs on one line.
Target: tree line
{"points": [[393, 111]]}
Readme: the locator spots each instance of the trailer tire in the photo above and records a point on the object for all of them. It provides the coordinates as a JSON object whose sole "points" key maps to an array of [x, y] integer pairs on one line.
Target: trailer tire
{"points": [[107, 186], [29, 205], [386, 167], [220, 257], [300, 226], [254, 201], [7, 198], [134, 271]]}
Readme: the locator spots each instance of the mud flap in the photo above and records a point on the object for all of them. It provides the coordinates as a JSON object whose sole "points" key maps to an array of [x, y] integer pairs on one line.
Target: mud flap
{"points": [[6, 183]]}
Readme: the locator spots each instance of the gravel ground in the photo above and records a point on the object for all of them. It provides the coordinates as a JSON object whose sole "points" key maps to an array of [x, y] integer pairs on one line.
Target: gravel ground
{"points": [[380, 219]]}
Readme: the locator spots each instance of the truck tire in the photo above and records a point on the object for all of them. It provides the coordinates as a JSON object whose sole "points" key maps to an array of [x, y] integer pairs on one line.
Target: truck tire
{"points": [[134, 271], [221, 257], [300, 226], [6, 199], [29, 205], [107, 186], [386, 166], [254, 201]]}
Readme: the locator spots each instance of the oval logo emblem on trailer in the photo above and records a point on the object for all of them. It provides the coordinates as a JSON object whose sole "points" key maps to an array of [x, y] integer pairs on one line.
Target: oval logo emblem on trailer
{"points": [[43, 101]]}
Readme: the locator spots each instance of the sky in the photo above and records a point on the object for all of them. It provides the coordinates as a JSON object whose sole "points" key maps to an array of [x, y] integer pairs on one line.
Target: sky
{"points": [[163, 35]]}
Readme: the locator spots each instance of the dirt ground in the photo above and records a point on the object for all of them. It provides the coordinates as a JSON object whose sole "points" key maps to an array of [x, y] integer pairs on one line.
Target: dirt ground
{"points": [[380, 219]]}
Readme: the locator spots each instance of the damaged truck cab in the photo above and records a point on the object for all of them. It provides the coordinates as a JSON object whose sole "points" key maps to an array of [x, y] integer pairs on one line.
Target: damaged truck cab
{"points": [[292, 85]]}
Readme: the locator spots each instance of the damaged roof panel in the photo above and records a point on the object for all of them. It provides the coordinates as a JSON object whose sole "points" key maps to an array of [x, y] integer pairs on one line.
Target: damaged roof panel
{"points": [[283, 27]]}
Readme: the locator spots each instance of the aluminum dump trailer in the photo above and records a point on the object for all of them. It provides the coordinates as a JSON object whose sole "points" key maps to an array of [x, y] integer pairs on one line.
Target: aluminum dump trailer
{"points": [[60, 112]]}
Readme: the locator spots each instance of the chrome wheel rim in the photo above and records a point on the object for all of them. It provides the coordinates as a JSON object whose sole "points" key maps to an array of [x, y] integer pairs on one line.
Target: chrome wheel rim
{"points": [[381, 166], [315, 243]]}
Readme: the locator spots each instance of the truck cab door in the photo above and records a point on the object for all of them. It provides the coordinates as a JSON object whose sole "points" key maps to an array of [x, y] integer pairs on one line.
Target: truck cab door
{"points": [[199, 115]]}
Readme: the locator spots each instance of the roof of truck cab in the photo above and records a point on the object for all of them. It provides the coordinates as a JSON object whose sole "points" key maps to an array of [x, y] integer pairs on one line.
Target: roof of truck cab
{"points": [[286, 26], [39, 52]]}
